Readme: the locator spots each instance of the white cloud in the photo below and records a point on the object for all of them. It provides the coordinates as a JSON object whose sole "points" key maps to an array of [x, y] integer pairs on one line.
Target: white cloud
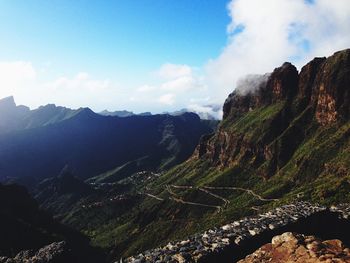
{"points": [[261, 36], [179, 78], [182, 84], [200, 100], [167, 99], [207, 110], [264, 34], [146, 88], [173, 84], [81, 81], [26, 83], [173, 71]]}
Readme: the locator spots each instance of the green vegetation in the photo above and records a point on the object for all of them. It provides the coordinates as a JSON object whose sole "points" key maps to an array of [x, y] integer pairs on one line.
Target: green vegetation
{"points": [[269, 155], [317, 170]]}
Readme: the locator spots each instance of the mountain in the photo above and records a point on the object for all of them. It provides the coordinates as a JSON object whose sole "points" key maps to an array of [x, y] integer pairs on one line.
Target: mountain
{"points": [[15, 118], [91, 144], [283, 139], [10, 114], [206, 112], [122, 113], [23, 227], [60, 193]]}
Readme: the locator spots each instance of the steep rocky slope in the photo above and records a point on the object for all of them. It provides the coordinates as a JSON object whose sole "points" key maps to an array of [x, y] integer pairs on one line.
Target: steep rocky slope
{"points": [[284, 140]]}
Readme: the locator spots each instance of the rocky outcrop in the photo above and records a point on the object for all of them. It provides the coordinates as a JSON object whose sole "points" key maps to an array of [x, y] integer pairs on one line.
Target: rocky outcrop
{"points": [[54, 253], [281, 84], [331, 91], [307, 78], [291, 247]]}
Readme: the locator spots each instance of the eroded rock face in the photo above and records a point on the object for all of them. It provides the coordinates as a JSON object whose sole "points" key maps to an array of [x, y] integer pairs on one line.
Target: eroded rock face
{"points": [[321, 92], [307, 78], [281, 84], [331, 91], [291, 247]]}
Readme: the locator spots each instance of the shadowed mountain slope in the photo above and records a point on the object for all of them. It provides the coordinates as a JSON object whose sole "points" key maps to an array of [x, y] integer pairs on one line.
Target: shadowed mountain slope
{"points": [[23, 226], [91, 144]]}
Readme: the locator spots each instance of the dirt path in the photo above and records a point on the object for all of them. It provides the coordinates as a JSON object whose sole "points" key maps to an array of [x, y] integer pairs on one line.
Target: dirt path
{"points": [[241, 189], [153, 196], [226, 201], [175, 198], [206, 189], [179, 200]]}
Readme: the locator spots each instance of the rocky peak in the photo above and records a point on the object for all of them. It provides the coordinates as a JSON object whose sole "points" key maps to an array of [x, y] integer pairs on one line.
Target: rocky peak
{"points": [[7, 103], [8, 100], [237, 104], [331, 89], [281, 84], [323, 84], [307, 77], [11, 114]]}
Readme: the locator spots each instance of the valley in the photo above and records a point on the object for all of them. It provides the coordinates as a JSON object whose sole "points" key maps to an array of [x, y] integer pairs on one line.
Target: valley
{"points": [[276, 163]]}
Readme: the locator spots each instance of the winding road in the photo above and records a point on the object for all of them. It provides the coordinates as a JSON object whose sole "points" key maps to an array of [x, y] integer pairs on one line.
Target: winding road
{"points": [[206, 189]]}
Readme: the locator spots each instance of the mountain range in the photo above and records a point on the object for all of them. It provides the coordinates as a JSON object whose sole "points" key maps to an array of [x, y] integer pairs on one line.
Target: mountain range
{"points": [[134, 183], [283, 140], [207, 112], [45, 140]]}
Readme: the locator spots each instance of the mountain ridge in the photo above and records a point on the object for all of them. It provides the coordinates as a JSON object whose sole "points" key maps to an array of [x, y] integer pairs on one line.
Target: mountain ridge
{"points": [[92, 144]]}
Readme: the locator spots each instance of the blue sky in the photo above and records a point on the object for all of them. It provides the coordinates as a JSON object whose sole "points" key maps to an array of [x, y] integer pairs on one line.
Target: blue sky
{"points": [[156, 55], [109, 38]]}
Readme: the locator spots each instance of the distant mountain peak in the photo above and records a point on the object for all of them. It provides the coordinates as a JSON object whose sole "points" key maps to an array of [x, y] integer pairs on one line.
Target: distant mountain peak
{"points": [[85, 112], [121, 113], [8, 102]]}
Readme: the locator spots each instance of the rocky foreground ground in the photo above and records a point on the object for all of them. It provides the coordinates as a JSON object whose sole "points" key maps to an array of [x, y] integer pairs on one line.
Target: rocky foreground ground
{"points": [[212, 244], [233, 241], [291, 247], [53, 253]]}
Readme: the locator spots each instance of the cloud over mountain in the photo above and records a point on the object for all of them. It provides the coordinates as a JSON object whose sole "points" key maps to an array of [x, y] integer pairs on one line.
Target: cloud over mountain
{"points": [[263, 34]]}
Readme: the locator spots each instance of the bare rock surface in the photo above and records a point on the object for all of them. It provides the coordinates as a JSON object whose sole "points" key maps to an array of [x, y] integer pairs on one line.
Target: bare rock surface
{"points": [[53, 253], [292, 247]]}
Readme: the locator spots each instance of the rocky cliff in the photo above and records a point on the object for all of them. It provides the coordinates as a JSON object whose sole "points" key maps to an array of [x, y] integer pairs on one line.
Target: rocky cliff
{"points": [[288, 103]]}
